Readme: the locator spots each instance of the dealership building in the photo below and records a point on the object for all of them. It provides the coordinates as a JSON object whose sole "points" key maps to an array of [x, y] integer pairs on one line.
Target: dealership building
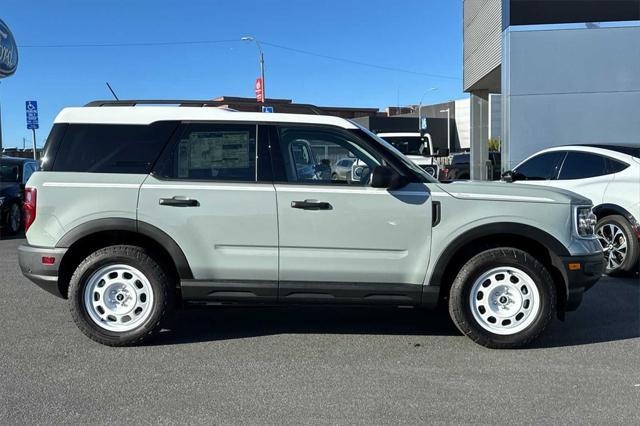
{"points": [[550, 72]]}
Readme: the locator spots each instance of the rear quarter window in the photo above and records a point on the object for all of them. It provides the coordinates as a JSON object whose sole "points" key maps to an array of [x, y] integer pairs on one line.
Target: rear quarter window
{"points": [[107, 148]]}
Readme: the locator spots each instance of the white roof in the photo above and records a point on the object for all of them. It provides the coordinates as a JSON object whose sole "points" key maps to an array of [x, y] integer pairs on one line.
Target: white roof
{"points": [[150, 114]]}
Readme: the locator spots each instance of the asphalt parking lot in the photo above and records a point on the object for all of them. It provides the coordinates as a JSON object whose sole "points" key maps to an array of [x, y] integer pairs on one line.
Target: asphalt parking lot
{"points": [[315, 365]]}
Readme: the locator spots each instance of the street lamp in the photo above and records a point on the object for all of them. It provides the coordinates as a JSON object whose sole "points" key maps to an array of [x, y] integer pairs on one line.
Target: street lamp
{"points": [[433, 89], [448, 111], [253, 39]]}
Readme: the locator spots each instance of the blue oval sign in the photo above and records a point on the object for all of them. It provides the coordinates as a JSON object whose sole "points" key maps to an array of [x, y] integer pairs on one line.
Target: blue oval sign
{"points": [[8, 52]]}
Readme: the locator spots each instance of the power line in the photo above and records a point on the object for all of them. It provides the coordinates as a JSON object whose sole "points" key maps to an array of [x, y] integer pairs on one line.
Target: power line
{"points": [[135, 44], [204, 42], [366, 64]]}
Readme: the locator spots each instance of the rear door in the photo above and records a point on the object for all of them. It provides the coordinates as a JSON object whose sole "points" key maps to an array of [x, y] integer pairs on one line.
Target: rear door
{"points": [[211, 191], [340, 240]]}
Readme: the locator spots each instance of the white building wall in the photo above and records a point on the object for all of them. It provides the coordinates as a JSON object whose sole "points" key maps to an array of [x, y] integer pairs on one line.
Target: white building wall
{"points": [[569, 86], [463, 122]]}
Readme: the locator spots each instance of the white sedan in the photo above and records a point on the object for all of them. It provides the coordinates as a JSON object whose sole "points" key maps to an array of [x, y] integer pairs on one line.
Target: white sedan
{"points": [[607, 174]]}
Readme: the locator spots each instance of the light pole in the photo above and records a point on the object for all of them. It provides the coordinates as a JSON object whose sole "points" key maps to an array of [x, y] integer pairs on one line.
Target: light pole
{"points": [[433, 89], [253, 39], [448, 111]]}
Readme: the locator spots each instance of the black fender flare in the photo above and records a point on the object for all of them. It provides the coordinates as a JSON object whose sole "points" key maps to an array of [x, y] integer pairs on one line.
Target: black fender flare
{"points": [[551, 243], [135, 226], [597, 210]]}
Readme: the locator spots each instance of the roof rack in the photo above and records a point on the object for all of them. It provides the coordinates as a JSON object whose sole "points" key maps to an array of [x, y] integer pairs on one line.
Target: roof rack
{"points": [[134, 102], [222, 104]]}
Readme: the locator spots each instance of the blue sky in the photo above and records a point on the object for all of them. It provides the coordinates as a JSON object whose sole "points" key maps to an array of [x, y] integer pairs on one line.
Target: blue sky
{"points": [[422, 36]]}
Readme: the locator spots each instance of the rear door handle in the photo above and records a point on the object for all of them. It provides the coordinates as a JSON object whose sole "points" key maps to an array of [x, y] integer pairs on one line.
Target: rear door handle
{"points": [[178, 201], [311, 205]]}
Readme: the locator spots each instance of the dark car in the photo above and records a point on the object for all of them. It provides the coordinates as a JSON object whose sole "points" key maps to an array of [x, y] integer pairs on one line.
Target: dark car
{"points": [[14, 173], [459, 168]]}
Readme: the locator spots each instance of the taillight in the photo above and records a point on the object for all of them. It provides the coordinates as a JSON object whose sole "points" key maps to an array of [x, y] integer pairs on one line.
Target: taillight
{"points": [[29, 207]]}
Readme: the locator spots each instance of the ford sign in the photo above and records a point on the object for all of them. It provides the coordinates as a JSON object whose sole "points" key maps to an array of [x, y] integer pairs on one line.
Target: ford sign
{"points": [[8, 52]]}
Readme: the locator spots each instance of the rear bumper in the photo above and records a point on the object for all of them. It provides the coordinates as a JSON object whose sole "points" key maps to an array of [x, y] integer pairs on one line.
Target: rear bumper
{"points": [[45, 276], [581, 278]]}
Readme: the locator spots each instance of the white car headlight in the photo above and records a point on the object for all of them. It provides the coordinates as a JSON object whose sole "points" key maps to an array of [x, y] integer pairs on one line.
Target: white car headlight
{"points": [[585, 221]]}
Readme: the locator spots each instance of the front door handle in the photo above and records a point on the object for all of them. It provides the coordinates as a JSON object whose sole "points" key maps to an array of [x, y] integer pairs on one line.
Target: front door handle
{"points": [[311, 205], [178, 201]]}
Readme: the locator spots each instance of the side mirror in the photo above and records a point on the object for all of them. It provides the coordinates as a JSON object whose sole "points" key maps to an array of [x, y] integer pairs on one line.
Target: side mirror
{"points": [[442, 152], [508, 176], [386, 177]]}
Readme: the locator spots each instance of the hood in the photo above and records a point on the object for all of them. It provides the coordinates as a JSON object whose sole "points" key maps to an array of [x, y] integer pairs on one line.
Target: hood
{"points": [[503, 191]]}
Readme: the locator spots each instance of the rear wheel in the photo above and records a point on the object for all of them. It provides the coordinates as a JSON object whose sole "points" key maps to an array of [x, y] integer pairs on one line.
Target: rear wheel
{"points": [[503, 298], [119, 296], [14, 219], [619, 243]]}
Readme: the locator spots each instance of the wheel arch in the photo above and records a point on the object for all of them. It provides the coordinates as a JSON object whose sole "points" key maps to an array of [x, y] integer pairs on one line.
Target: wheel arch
{"points": [[92, 235], [545, 247], [608, 209]]}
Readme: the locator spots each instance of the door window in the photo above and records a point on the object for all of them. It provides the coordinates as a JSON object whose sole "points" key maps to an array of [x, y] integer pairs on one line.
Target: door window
{"points": [[311, 155], [211, 152], [582, 165], [540, 167]]}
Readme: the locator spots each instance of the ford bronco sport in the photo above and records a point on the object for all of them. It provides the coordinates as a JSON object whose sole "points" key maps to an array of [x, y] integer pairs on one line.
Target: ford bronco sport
{"points": [[141, 209]]}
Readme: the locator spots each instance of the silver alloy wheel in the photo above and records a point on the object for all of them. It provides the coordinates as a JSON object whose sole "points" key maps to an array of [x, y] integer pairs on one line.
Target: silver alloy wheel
{"points": [[118, 298], [14, 218], [614, 245], [504, 300]]}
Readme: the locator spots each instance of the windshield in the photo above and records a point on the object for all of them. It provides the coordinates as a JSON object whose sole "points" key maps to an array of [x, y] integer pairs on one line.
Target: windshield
{"points": [[397, 154], [408, 145]]}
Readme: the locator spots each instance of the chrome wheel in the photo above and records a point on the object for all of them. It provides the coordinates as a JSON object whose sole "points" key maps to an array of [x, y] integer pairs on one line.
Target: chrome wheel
{"points": [[504, 300], [14, 218], [118, 298], [614, 245]]}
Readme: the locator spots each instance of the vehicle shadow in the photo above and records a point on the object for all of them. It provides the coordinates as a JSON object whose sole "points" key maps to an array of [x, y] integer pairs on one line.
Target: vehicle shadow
{"points": [[610, 312], [229, 322]]}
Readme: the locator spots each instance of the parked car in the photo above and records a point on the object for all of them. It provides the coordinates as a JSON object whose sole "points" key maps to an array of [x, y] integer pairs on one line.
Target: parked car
{"points": [[140, 210], [418, 148], [14, 173], [609, 175], [459, 169], [342, 170]]}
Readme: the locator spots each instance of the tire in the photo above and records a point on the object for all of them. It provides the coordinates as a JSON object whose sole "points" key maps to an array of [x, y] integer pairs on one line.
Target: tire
{"points": [[117, 282], [614, 231], [517, 322], [334, 176], [13, 220]]}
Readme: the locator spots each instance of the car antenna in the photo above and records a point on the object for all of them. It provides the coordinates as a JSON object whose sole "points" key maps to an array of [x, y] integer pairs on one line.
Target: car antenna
{"points": [[112, 92]]}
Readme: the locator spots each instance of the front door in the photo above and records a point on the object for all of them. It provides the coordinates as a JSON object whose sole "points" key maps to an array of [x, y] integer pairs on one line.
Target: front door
{"points": [[340, 239], [211, 192]]}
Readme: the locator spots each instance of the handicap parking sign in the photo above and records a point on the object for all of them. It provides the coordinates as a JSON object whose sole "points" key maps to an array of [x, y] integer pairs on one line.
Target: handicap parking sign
{"points": [[31, 108]]}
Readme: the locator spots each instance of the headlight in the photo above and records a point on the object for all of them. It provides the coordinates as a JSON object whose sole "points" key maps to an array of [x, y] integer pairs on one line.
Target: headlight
{"points": [[1, 201], [585, 221]]}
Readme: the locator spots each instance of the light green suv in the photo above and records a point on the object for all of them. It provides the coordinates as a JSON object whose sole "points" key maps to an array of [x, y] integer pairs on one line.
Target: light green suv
{"points": [[141, 209]]}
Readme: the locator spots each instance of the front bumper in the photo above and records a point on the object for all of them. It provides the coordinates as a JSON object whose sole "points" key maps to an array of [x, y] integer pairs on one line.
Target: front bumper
{"points": [[580, 274], [32, 266]]}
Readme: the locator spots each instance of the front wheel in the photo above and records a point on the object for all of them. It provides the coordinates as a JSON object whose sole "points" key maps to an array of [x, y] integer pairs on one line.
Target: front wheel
{"points": [[119, 296], [503, 298], [619, 243], [14, 219]]}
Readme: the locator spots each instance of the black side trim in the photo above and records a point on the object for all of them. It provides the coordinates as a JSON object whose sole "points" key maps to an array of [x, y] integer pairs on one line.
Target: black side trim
{"points": [[499, 228], [349, 293], [436, 213], [130, 225], [229, 291]]}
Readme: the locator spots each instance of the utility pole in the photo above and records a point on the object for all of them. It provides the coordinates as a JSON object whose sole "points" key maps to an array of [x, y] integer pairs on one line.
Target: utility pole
{"points": [[261, 57]]}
